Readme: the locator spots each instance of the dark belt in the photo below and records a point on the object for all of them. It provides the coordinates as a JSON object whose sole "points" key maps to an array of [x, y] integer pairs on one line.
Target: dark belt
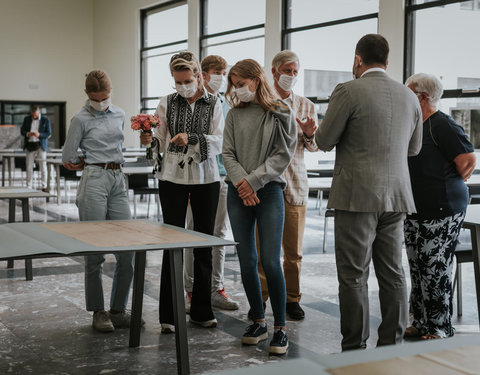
{"points": [[110, 165]]}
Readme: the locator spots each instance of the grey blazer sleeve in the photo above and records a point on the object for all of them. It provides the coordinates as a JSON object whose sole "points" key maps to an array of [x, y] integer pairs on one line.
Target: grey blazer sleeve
{"points": [[333, 125]]}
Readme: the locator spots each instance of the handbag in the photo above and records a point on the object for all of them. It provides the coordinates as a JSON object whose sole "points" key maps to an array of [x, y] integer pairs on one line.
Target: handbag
{"points": [[32, 146]]}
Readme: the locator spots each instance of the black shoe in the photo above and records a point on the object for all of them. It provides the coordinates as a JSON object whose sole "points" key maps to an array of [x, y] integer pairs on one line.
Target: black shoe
{"points": [[254, 334], [250, 313], [279, 343], [294, 311]]}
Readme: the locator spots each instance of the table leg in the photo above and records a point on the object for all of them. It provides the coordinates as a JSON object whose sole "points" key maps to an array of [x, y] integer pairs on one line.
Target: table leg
{"points": [[475, 235], [26, 219], [176, 272], [137, 298], [10, 161], [4, 166], [11, 219], [57, 170], [49, 177]]}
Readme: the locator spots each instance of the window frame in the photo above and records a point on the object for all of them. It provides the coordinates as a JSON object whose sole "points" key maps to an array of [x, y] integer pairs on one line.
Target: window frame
{"points": [[409, 43], [204, 36], [144, 13]]}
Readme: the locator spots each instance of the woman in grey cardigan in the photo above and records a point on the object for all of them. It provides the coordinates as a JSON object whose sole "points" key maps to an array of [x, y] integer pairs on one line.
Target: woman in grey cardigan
{"points": [[260, 137]]}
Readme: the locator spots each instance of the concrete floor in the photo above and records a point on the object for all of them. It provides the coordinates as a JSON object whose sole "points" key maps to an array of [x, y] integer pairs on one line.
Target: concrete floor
{"points": [[44, 328]]}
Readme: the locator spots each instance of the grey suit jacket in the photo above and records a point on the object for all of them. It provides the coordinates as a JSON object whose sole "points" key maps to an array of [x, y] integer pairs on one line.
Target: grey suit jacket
{"points": [[375, 124]]}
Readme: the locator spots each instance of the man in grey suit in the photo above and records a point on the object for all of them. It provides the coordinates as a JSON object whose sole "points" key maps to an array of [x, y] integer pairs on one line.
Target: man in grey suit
{"points": [[375, 124]]}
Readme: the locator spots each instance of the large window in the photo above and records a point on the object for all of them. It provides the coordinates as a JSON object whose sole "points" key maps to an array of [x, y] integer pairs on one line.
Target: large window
{"points": [[233, 29], [324, 33], [442, 38], [164, 32]]}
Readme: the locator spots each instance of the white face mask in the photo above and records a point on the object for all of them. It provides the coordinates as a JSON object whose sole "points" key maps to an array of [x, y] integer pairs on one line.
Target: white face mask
{"points": [[244, 94], [187, 91], [101, 106], [217, 82], [287, 82]]}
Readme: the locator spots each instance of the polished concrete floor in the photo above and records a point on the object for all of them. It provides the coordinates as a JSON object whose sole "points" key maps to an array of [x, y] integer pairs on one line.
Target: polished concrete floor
{"points": [[44, 328]]}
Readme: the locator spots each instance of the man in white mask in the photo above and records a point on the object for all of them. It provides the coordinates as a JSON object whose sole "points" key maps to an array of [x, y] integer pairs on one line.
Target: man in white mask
{"points": [[214, 72], [285, 66]]}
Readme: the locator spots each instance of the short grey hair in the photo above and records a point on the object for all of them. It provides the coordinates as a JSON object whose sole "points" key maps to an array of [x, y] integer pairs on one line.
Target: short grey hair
{"points": [[428, 84], [284, 57]]}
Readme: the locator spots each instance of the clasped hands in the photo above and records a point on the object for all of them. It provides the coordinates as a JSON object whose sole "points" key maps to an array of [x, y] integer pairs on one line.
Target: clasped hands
{"points": [[181, 139], [246, 193], [33, 134]]}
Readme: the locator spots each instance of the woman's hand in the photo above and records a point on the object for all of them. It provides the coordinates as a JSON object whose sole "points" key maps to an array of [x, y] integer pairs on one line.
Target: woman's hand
{"points": [[75, 167], [181, 139], [251, 200], [244, 189], [146, 138]]}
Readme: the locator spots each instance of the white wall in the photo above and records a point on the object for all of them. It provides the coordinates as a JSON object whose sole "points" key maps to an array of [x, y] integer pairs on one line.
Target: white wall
{"points": [[46, 49]]}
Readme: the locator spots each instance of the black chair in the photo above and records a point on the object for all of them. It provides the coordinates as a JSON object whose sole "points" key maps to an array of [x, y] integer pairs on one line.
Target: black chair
{"points": [[140, 186], [463, 254]]}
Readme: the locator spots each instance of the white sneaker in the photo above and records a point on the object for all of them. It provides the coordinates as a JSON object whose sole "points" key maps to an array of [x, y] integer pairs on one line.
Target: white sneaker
{"points": [[167, 328], [122, 319], [206, 323], [101, 322], [221, 300]]}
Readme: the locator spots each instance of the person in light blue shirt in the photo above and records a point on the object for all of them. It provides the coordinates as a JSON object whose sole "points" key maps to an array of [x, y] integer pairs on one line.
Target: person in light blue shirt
{"points": [[98, 131]]}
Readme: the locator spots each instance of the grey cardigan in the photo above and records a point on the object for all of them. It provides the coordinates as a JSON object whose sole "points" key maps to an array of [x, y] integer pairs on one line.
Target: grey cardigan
{"points": [[258, 145]]}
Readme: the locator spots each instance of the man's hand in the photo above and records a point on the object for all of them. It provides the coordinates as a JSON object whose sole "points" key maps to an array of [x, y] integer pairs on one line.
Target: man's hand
{"points": [[308, 126], [244, 189], [181, 139], [36, 134], [75, 167]]}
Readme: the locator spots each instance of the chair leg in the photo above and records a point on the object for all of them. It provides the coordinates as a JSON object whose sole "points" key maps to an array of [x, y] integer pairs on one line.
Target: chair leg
{"points": [[325, 234], [148, 205], [458, 277], [134, 206]]}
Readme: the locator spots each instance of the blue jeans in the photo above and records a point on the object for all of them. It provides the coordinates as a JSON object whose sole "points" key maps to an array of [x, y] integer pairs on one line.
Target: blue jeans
{"points": [[269, 216], [102, 196]]}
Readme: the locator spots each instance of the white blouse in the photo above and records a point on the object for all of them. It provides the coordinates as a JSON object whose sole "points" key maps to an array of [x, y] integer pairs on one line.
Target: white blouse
{"points": [[194, 171]]}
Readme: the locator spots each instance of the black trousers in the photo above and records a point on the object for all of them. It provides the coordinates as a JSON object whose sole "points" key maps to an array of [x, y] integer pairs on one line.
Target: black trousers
{"points": [[203, 200]]}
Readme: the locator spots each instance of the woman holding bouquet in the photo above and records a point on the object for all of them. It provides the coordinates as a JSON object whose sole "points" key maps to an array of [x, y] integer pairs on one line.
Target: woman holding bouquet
{"points": [[98, 131], [190, 137], [260, 139]]}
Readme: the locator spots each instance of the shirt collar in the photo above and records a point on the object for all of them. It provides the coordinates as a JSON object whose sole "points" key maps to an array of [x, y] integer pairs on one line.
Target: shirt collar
{"points": [[373, 70]]}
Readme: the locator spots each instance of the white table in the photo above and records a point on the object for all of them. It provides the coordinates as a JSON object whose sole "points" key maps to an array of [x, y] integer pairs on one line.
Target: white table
{"points": [[46, 240]]}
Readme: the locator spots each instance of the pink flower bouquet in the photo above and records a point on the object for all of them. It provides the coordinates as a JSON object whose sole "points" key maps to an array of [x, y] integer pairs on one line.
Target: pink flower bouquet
{"points": [[145, 122]]}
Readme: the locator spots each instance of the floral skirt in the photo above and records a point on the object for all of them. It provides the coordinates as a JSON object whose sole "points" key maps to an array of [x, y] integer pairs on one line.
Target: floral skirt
{"points": [[430, 249]]}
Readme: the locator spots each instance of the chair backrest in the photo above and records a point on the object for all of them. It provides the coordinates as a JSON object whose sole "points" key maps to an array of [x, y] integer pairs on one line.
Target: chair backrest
{"points": [[137, 181]]}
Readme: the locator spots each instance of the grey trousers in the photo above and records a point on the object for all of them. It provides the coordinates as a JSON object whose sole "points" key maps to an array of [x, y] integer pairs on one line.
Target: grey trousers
{"points": [[359, 238]]}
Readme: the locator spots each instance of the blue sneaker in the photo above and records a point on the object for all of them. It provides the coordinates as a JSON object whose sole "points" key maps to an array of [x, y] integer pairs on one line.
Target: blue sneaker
{"points": [[279, 343], [254, 334]]}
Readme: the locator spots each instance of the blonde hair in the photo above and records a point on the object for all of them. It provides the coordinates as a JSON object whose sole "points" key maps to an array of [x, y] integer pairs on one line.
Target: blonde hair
{"points": [[97, 81], [186, 61], [265, 95], [213, 62], [284, 57]]}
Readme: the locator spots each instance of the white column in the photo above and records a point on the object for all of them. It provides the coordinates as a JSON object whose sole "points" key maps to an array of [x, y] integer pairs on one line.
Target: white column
{"points": [[273, 33], [391, 24], [194, 26]]}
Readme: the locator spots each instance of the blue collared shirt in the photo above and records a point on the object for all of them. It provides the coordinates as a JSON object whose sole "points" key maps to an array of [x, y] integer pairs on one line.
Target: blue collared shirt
{"points": [[98, 134]]}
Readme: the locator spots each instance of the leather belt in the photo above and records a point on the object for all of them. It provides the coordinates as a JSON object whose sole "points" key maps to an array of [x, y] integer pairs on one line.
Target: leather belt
{"points": [[110, 165]]}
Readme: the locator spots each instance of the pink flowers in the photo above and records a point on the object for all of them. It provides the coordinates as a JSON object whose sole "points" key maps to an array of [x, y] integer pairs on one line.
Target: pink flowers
{"points": [[144, 122]]}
